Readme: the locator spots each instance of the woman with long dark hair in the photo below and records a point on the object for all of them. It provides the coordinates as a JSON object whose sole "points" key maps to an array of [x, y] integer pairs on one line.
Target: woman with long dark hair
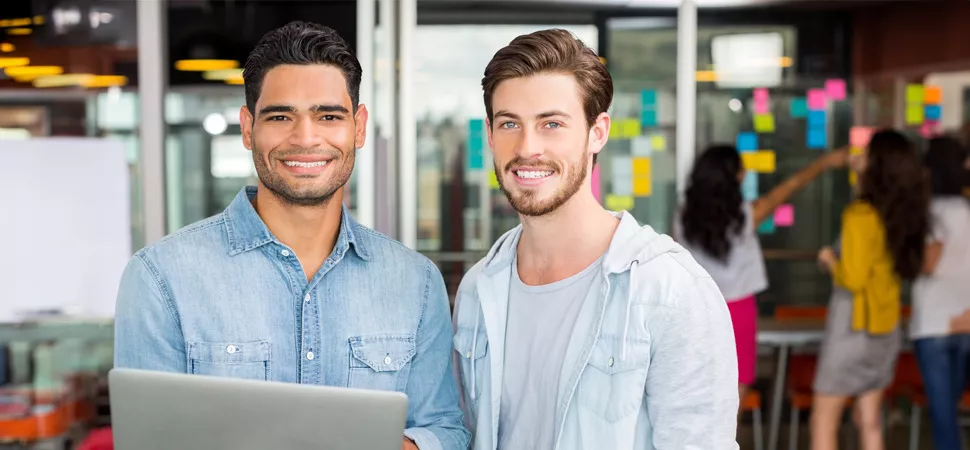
{"points": [[882, 243], [720, 230], [940, 294]]}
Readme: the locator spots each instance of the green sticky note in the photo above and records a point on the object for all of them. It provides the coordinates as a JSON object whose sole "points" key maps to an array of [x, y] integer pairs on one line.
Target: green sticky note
{"points": [[914, 94], [764, 123], [914, 114]]}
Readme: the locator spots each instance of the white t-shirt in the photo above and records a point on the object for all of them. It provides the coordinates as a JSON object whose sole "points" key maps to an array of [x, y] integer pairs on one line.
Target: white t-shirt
{"points": [[743, 273], [946, 293]]}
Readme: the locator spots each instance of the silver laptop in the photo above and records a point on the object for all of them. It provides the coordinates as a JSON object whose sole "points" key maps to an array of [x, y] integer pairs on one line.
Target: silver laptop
{"points": [[162, 411]]}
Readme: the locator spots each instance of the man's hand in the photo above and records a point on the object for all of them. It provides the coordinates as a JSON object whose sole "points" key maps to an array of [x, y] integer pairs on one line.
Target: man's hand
{"points": [[827, 259], [409, 445]]}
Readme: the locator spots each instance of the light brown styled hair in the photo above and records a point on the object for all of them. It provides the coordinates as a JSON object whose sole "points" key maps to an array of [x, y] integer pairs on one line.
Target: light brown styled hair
{"points": [[552, 51]]}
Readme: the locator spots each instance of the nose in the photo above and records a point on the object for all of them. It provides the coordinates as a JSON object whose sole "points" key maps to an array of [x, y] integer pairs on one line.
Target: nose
{"points": [[530, 145], [306, 133]]}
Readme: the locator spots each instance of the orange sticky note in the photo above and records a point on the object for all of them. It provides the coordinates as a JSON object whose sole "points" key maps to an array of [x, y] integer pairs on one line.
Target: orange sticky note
{"points": [[641, 166], [932, 95], [761, 161], [642, 186]]}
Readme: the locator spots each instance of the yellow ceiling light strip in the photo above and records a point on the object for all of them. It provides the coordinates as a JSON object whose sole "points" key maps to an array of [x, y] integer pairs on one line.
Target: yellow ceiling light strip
{"points": [[68, 80], [7, 47], [23, 71], [203, 65], [20, 22], [235, 81], [104, 81], [13, 62], [19, 31], [706, 76], [39, 20], [222, 75]]}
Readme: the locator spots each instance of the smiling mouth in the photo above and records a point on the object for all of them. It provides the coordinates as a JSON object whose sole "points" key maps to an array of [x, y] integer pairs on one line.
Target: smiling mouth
{"points": [[306, 164], [533, 174]]}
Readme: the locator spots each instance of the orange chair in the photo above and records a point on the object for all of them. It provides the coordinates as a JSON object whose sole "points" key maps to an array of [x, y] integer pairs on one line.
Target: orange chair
{"points": [[801, 312], [752, 402]]}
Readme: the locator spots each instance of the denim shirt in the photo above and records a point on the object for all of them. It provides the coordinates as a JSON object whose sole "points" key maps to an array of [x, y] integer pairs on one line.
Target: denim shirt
{"points": [[224, 297]]}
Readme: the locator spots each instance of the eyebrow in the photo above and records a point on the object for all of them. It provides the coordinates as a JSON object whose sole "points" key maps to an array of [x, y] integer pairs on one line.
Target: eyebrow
{"points": [[272, 109], [542, 115]]}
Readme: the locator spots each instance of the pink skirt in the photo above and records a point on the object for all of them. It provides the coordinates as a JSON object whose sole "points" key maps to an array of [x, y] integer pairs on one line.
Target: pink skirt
{"points": [[744, 316]]}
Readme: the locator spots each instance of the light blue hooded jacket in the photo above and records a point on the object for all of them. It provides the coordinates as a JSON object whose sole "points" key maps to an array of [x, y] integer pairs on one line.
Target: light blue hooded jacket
{"points": [[651, 363]]}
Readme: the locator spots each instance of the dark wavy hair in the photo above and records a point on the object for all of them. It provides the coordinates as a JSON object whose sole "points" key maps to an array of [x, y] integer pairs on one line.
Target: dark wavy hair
{"points": [[895, 185], [945, 159], [712, 211]]}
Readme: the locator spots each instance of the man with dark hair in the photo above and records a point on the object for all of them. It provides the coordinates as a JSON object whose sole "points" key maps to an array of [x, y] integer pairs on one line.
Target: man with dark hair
{"points": [[581, 329], [284, 285]]}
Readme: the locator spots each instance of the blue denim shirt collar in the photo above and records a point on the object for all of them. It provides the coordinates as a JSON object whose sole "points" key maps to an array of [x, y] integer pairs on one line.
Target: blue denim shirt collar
{"points": [[247, 231]]}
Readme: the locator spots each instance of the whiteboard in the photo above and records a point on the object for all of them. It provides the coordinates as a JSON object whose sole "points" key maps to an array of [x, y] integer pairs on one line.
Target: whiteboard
{"points": [[65, 227]]}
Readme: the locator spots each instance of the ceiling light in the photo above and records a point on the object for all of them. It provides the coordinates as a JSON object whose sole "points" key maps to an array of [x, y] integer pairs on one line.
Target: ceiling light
{"points": [[103, 81], [202, 65], [23, 71], [54, 81], [706, 76], [236, 81], [19, 31], [7, 47], [14, 62], [222, 75]]}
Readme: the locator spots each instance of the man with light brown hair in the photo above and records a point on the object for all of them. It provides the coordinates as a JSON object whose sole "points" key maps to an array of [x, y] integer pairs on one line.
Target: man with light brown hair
{"points": [[582, 328]]}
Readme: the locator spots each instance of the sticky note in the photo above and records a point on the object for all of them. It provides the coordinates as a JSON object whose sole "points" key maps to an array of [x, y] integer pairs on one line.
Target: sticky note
{"points": [[928, 130], [914, 114], [658, 142], [835, 89], [762, 108], [933, 112], [816, 138], [595, 182], [762, 161], [648, 117], [476, 144], [932, 95], [859, 136], [648, 98], [492, 180], [625, 128], [616, 202], [641, 146], [747, 141], [761, 95], [785, 216], [623, 184], [749, 187], [767, 227], [914, 94], [816, 119], [816, 99], [622, 165], [641, 167], [799, 107], [764, 123], [642, 186]]}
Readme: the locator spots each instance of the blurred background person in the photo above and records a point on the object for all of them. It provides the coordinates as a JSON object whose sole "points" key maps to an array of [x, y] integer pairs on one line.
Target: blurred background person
{"points": [[940, 294], [882, 243]]}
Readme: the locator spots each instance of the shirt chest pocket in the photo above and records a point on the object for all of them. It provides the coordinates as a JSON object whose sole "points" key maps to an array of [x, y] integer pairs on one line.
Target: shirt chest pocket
{"points": [[612, 384], [247, 360], [471, 351], [381, 362]]}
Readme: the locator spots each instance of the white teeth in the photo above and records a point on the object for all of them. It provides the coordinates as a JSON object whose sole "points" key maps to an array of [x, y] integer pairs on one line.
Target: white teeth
{"points": [[533, 173], [306, 164]]}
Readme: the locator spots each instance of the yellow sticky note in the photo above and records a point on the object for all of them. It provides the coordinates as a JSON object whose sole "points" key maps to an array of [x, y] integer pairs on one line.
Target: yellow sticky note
{"points": [[764, 123], [642, 186], [914, 94], [631, 128], [492, 180], [641, 166], [658, 142], [914, 114], [762, 161], [619, 202]]}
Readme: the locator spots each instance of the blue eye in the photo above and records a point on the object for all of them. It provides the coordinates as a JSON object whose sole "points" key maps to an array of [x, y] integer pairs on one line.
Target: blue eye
{"points": [[554, 125], [508, 125]]}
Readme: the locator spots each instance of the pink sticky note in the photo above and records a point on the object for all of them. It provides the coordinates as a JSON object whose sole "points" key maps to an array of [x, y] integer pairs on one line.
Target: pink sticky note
{"points": [[835, 89], [761, 95], [929, 129], [596, 182], [816, 99], [785, 216], [761, 107], [859, 136]]}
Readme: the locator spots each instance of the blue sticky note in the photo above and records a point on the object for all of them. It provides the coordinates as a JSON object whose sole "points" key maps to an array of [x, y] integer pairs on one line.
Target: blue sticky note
{"points": [[749, 187], [816, 138], [816, 119], [799, 107], [648, 98], [476, 144], [747, 141], [648, 117], [933, 112], [768, 226]]}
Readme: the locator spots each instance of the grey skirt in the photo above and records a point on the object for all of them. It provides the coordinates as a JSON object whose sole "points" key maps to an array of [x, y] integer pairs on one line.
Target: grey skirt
{"points": [[851, 362]]}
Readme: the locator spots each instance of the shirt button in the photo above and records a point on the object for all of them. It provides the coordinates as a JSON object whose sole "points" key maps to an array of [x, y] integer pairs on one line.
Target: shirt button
{"points": [[387, 360], [309, 356], [231, 349], [610, 362], [468, 355], [306, 298], [285, 252]]}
